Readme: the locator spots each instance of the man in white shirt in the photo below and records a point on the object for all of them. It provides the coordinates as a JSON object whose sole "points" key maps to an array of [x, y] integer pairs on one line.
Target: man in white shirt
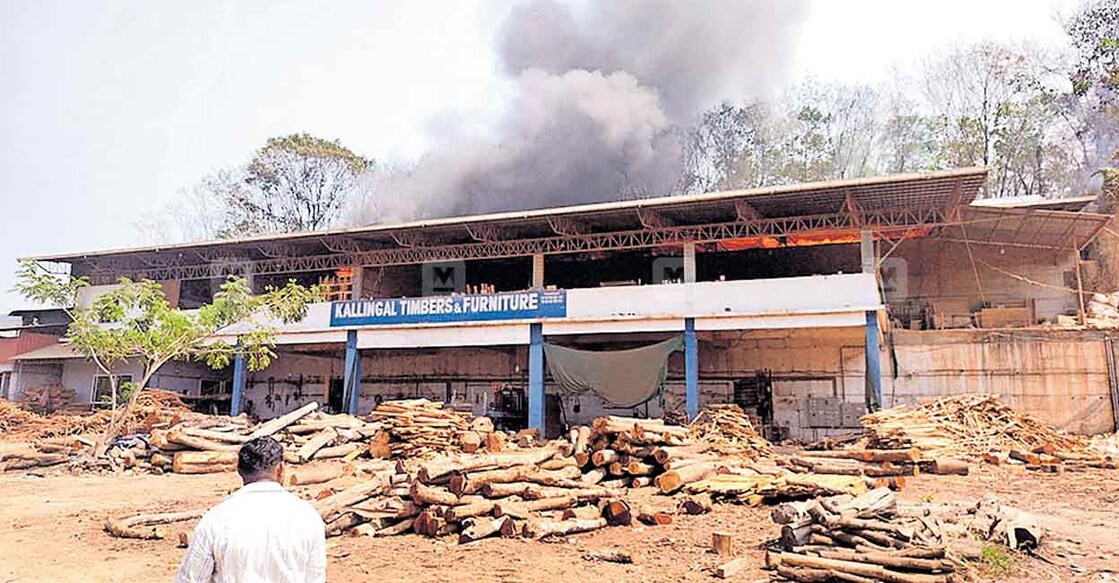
{"points": [[261, 532]]}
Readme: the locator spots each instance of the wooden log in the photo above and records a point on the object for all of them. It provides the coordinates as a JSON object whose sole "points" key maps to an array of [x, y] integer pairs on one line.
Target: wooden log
{"points": [[336, 451], [594, 476], [317, 442], [481, 425], [343, 522], [653, 516], [158, 440], [161, 460], [695, 504], [494, 442], [635, 468], [673, 480], [313, 474], [538, 529], [522, 510], [147, 526], [204, 462], [641, 482], [583, 512], [947, 466], [378, 445], [482, 527], [463, 511], [910, 455], [198, 443], [270, 427], [469, 484], [996, 457], [860, 569], [559, 463], [609, 556], [890, 560], [398, 528], [1025, 457], [506, 490], [436, 469], [469, 441], [722, 543], [604, 457], [797, 533], [34, 460], [582, 439], [216, 436], [617, 513], [431, 495], [350, 496]]}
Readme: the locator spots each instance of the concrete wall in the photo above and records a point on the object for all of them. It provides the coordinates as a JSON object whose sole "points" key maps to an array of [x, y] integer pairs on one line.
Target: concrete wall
{"points": [[181, 377], [942, 271]]}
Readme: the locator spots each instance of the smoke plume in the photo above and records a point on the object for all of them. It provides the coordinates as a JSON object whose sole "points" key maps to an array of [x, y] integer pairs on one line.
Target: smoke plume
{"points": [[599, 90]]}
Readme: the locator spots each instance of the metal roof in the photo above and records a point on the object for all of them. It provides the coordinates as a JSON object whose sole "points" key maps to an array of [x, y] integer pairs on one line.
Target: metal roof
{"points": [[919, 189], [1024, 227], [883, 203], [1071, 203], [57, 351]]}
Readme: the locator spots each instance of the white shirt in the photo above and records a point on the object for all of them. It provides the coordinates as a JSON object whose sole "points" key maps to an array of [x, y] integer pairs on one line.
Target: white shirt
{"points": [[261, 533]]}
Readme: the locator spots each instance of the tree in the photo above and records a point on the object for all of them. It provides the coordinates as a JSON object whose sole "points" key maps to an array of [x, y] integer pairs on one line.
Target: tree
{"points": [[134, 323], [294, 183]]}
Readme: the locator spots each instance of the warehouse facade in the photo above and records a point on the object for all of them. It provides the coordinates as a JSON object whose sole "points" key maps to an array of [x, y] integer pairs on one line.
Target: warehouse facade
{"points": [[806, 304]]}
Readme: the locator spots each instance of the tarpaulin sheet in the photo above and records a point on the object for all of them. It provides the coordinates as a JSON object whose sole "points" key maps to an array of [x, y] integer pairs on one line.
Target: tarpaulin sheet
{"points": [[623, 378]]}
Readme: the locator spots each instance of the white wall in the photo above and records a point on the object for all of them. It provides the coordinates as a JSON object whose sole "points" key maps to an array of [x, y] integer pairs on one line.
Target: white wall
{"points": [[181, 377]]}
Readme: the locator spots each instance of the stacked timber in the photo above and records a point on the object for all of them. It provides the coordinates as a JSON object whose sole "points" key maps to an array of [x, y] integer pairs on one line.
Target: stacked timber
{"points": [[419, 428], [973, 427], [176, 440], [858, 538], [727, 429]]}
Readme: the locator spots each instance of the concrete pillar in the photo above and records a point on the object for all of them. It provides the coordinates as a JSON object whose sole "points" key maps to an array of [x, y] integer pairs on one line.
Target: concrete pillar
{"points": [[351, 374], [689, 262], [873, 364], [691, 369], [238, 384], [536, 377], [538, 271], [357, 282]]}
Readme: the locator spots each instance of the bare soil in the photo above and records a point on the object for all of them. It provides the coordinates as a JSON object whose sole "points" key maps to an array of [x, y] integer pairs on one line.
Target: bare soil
{"points": [[50, 530]]}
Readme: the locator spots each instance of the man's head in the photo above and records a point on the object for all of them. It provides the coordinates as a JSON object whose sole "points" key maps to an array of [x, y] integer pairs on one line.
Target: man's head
{"points": [[260, 459]]}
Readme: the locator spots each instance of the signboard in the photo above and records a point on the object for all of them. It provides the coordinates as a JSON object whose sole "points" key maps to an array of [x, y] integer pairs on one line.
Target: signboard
{"points": [[524, 305]]}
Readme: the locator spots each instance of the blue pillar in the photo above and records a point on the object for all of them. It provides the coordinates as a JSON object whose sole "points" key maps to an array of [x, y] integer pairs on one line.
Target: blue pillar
{"points": [[238, 383], [536, 377], [873, 366], [691, 370], [351, 374]]}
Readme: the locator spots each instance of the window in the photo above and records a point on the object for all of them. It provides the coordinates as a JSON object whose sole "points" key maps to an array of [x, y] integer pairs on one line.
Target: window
{"points": [[213, 388], [103, 391], [5, 382]]}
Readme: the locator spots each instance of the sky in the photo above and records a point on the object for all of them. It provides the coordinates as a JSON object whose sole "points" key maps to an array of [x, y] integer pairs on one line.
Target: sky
{"points": [[110, 109]]}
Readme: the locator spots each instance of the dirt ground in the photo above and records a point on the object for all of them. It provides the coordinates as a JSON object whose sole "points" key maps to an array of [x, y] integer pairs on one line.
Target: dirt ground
{"points": [[50, 530]]}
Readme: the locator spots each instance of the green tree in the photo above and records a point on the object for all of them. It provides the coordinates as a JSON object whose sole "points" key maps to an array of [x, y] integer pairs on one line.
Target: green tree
{"points": [[134, 323], [294, 183]]}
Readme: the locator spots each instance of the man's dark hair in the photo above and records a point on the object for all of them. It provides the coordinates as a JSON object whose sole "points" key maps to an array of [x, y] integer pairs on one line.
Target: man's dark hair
{"points": [[257, 457]]}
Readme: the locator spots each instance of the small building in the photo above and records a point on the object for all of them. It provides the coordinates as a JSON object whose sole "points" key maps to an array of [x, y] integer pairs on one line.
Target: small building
{"points": [[805, 304]]}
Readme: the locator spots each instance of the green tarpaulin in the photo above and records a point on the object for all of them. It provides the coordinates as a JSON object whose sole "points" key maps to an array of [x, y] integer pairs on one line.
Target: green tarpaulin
{"points": [[623, 378]]}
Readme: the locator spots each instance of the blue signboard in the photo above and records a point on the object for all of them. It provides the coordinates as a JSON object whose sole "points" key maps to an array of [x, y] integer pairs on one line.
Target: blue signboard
{"points": [[524, 305]]}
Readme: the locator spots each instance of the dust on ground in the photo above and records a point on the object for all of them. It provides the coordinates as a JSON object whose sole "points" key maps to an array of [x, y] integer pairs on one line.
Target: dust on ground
{"points": [[51, 531]]}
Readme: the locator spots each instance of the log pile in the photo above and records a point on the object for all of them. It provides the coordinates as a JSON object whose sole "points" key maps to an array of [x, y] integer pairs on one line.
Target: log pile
{"points": [[420, 428], [975, 427], [46, 398], [168, 438], [153, 407], [858, 538], [728, 430]]}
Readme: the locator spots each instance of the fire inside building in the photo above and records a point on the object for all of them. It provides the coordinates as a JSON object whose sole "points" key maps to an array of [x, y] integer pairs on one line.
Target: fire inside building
{"points": [[805, 304]]}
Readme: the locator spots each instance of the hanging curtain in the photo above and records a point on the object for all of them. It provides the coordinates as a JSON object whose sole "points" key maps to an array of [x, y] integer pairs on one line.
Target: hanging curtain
{"points": [[622, 378]]}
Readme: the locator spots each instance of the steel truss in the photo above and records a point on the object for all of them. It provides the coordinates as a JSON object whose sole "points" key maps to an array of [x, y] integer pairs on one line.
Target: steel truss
{"points": [[416, 248]]}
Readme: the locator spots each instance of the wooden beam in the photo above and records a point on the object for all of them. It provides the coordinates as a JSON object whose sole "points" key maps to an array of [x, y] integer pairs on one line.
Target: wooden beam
{"points": [[852, 209]]}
